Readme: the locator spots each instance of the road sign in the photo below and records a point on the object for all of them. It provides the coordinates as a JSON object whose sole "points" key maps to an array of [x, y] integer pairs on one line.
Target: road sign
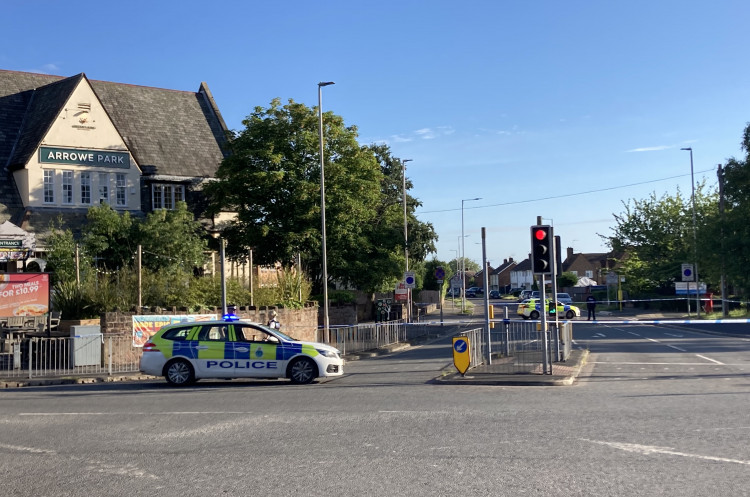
{"points": [[687, 272], [439, 273], [401, 293], [461, 355], [409, 280]]}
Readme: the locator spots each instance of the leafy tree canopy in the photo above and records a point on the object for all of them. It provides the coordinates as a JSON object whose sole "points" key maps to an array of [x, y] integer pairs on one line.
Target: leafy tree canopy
{"points": [[271, 180]]}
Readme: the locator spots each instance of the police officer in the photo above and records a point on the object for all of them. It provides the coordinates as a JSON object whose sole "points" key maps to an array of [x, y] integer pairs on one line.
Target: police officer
{"points": [[591, 306], [273, 323]]}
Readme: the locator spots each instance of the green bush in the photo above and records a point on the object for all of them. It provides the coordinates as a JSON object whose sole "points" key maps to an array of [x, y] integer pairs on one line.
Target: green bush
{"points": [[73, 302]]}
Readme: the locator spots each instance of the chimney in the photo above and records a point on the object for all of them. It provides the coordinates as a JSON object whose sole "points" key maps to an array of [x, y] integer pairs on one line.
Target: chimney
{"points": [[570, 252]]}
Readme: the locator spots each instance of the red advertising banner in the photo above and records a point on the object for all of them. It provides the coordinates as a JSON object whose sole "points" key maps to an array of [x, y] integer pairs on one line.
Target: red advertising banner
{"points": [[24, 294]]}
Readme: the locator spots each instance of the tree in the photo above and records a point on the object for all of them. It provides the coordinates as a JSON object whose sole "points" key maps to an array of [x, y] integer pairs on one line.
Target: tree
{"points": [[430, 282], [271, 179], [657, 235], [567, 279], [61, 249], [107, 236], [171, 239], [456, 265], [731, 232]]}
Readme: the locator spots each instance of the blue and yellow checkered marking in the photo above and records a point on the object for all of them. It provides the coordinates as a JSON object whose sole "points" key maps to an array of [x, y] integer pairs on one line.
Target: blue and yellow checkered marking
{"points": [[193, 349]]}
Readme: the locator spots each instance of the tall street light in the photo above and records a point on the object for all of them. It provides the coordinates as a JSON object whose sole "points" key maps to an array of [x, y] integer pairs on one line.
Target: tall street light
{"points": [[406, 235], [695, 239], [463, 251], [326, 322]]}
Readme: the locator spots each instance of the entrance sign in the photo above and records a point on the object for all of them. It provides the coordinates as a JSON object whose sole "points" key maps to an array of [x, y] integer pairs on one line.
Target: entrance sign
{"points": [[461, 355]]}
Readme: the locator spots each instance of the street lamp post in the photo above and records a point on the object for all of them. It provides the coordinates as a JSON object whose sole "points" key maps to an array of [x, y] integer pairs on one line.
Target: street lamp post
{"points": [[406, 235], [463, 258], [326, 322], [695, 238]]}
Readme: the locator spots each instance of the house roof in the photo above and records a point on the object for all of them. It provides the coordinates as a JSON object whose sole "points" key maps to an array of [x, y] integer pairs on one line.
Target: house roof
{"points": [[524, 265], [178, 133], [506, 265]]}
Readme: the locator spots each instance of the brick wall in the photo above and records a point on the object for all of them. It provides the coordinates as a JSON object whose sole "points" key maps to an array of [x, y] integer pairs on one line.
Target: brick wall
{"points": [[298, 323]]}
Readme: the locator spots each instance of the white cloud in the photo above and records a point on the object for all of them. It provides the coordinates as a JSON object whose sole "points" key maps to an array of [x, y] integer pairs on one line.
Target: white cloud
{"points": [[650, 149], [46, 69]]}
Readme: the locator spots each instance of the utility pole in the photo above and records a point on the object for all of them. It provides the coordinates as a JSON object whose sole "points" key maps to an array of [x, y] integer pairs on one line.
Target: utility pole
{"points": [[720, 173]]}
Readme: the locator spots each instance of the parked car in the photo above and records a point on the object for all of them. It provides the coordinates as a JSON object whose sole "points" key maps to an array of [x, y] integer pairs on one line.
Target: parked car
{"points": [[531, 309], [564, 298], [229, 348], [474, 291], [494, 294], [525, 294]]}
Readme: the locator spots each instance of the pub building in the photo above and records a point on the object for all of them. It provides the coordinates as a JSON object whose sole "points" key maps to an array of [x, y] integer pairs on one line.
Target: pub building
{"points": [[68, 143]]}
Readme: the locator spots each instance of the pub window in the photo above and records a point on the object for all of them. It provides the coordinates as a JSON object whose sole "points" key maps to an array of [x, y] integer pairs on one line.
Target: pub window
{"points": [[103, 188], [166, 196], [67, 187], [49, 186], [86, 188], [121, 199]]}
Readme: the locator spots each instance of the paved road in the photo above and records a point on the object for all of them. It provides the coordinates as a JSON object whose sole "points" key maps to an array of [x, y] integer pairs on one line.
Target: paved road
{"points": [[654, 414]]}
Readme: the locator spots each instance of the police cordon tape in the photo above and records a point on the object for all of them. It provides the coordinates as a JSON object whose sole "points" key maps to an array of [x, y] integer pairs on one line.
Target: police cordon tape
{"points": [[596, 321]]}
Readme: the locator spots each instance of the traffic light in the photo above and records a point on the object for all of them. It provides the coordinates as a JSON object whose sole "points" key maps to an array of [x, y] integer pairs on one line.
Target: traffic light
{"points": [[541, 249]]}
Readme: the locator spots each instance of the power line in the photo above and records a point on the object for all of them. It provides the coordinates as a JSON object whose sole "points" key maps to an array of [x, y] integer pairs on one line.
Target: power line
{"points": [[565, 195]]}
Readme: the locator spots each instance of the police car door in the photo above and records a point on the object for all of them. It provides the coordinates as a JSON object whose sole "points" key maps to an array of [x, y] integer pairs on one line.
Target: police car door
{"points": [[257, 353], [215, 355]]}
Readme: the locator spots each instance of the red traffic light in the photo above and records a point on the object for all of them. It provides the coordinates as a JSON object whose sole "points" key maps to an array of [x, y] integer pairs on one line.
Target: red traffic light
{"points": [[540, 234]]}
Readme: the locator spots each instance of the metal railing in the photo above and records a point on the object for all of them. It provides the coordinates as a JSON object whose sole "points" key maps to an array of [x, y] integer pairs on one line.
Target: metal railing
{"points": [[518, 346], [68, 356], [368, 336]]}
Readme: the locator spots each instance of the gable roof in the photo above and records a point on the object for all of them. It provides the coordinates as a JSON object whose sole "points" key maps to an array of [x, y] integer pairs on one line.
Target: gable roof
{"points": [[524, 265], [178, 133], [506, 265]]}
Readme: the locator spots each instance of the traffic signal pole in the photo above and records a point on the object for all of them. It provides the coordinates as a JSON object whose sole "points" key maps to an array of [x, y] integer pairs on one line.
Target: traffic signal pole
{"points": [[542, 263]]}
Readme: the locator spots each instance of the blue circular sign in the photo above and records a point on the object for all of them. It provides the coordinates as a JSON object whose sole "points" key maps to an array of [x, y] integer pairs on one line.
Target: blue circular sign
{"points": [[460, 346], [409, 280]]}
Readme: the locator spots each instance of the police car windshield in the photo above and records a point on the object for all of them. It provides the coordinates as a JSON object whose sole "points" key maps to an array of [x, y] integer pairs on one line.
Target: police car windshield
{"points": [[280, 334]]}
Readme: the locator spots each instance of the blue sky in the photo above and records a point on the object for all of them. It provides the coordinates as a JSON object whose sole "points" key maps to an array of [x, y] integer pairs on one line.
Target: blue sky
{"points": [[560, 109]]}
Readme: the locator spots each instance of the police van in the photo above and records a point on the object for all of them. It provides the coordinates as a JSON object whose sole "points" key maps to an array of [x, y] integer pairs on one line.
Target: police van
{"points": [[185, 352]]}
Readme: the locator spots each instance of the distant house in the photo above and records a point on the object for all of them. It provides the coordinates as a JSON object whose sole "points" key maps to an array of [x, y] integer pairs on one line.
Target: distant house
{"points": [[456, 283], [521, 275], [594, 266], [500, 278], [479, 277]]}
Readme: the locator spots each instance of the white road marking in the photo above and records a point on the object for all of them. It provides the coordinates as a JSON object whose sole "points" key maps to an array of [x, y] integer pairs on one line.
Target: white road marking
{"points": [[651, 449], [634, 334], [98, 466], [660, 363], [709, 359], [673, 335]]}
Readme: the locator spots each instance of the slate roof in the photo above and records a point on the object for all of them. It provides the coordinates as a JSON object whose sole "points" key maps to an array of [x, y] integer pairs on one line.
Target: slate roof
{"points": [[172, 134], [179, 133]]}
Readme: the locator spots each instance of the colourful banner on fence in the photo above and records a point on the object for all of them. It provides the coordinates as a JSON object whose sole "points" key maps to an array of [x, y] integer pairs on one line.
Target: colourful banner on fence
{"points": [[24, 294], [145, 326]]}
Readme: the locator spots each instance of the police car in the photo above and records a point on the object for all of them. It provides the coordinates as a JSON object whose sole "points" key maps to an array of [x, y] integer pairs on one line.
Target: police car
{"points": [[230, 348], [531, 309]]}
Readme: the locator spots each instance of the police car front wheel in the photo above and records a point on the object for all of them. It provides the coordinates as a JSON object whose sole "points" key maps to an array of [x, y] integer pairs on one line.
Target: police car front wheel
{"points": [[302, 371], [179, 372]]}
